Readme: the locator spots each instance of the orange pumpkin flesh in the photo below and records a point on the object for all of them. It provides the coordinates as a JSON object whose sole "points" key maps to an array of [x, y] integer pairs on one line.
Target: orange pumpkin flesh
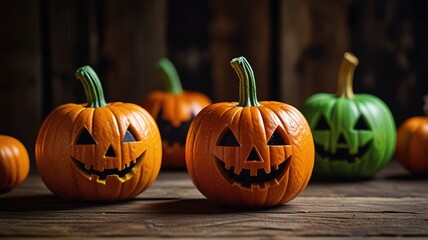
{"points": [[98, 151], [174, 110], [249, 153], [412, 145], [14, 163]]}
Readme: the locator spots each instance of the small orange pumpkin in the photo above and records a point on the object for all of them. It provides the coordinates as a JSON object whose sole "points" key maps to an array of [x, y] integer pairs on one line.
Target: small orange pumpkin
{"points": [[249, 153], [412, 144], [14, 163], [174, 110], [98, 151]]}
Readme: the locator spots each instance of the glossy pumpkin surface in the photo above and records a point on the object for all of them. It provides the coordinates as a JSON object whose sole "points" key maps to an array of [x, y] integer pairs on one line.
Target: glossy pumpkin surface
{"points": [[98, 151], [412, 145], [14, 163], [174, 109], [354, 134], [249, 153]]}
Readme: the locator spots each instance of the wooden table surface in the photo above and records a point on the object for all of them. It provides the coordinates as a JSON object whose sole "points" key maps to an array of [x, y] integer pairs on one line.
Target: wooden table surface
{"points": [[390, 205]]}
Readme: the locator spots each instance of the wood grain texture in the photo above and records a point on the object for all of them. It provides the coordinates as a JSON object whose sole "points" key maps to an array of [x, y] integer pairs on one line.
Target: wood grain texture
{"points": [[313, 37], [394, 204], [20, 63], [240, 28], [133, 39]]}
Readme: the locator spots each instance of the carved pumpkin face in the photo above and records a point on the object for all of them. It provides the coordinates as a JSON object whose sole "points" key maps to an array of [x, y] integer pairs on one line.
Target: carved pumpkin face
{"points": [[103, 154], [354, 134], [249, 163], [347, 138], [99, 151], [174, 109], [249, 153], [171, 133]]}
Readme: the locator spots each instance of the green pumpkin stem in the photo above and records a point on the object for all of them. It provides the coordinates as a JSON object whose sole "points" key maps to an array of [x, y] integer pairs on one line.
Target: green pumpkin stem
{"points": [[247, 83], [346, 76], [170, 76], [92, 85]]}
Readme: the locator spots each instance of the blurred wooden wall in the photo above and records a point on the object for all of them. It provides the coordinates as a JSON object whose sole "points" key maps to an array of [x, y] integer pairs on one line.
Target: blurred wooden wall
{"points": [[294, 47], [21, 71]]}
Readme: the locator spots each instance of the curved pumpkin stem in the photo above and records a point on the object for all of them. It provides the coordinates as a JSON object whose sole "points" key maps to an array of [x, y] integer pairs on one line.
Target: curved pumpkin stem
{"points": [[346, 76], [247, 83], [170, 76], [92, 85]]}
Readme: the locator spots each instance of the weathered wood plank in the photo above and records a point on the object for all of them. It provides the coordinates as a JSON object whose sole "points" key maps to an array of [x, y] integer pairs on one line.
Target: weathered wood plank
{"points": [[133, 39], [313, 37], [240, 28], [392, 204], [184, 218], [20, 81]]}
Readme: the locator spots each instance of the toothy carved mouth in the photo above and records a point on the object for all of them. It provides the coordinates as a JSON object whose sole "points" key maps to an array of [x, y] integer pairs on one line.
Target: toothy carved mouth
{"points": [[173, 135], [342, 154], [123, 175], [248, 182]]}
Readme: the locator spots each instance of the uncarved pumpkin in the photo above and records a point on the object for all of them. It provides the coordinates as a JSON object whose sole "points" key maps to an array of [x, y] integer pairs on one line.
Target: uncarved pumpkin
{"points": [[249, 153], [412, 144], [98, 151], [354, 134], [14, 163], [174, 109]]}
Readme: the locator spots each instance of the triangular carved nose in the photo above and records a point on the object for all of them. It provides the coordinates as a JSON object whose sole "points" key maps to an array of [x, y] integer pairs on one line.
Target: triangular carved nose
{"points": [[342, 139], [254, 156], [110, 152]]}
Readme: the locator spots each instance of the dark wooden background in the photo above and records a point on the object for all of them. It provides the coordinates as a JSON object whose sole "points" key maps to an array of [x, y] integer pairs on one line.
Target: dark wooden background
{"points": [[294, 46]]}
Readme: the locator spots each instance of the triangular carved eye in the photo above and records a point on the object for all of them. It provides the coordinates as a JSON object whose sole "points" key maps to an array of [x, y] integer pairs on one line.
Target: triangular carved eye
{"points": [[361, 124], [85, 138], [228, 139], [129, 136], [276, 139], [322, 124]]}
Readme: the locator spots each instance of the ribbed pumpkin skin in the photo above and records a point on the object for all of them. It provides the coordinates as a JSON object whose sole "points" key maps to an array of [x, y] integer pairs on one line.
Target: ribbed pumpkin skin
{"points": [[56, 148], [354, 134], [14, 163], [412, 145], [98, 151], [249, 153], [342, 115], [175, 109], [252, 126]]}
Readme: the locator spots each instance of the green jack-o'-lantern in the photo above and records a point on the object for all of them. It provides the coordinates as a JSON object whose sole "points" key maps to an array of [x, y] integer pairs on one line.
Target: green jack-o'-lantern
{"points": [[354, 134]]}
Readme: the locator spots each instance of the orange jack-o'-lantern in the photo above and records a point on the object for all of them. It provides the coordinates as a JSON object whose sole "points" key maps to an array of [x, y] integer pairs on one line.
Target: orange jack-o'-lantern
{"points": [[249, 153], [99, 151], [174, 109]]}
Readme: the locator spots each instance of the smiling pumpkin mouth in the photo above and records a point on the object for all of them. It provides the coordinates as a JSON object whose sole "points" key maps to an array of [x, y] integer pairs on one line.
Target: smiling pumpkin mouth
{"points": [[124, 174], [342, 154], [261, 181]]}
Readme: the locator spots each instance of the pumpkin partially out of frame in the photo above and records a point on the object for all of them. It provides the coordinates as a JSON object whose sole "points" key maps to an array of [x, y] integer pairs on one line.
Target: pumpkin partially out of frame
{"points": [[412, 143], [174, 109], [354, 134], [98, 151], [249, 153], [14, 163]]}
